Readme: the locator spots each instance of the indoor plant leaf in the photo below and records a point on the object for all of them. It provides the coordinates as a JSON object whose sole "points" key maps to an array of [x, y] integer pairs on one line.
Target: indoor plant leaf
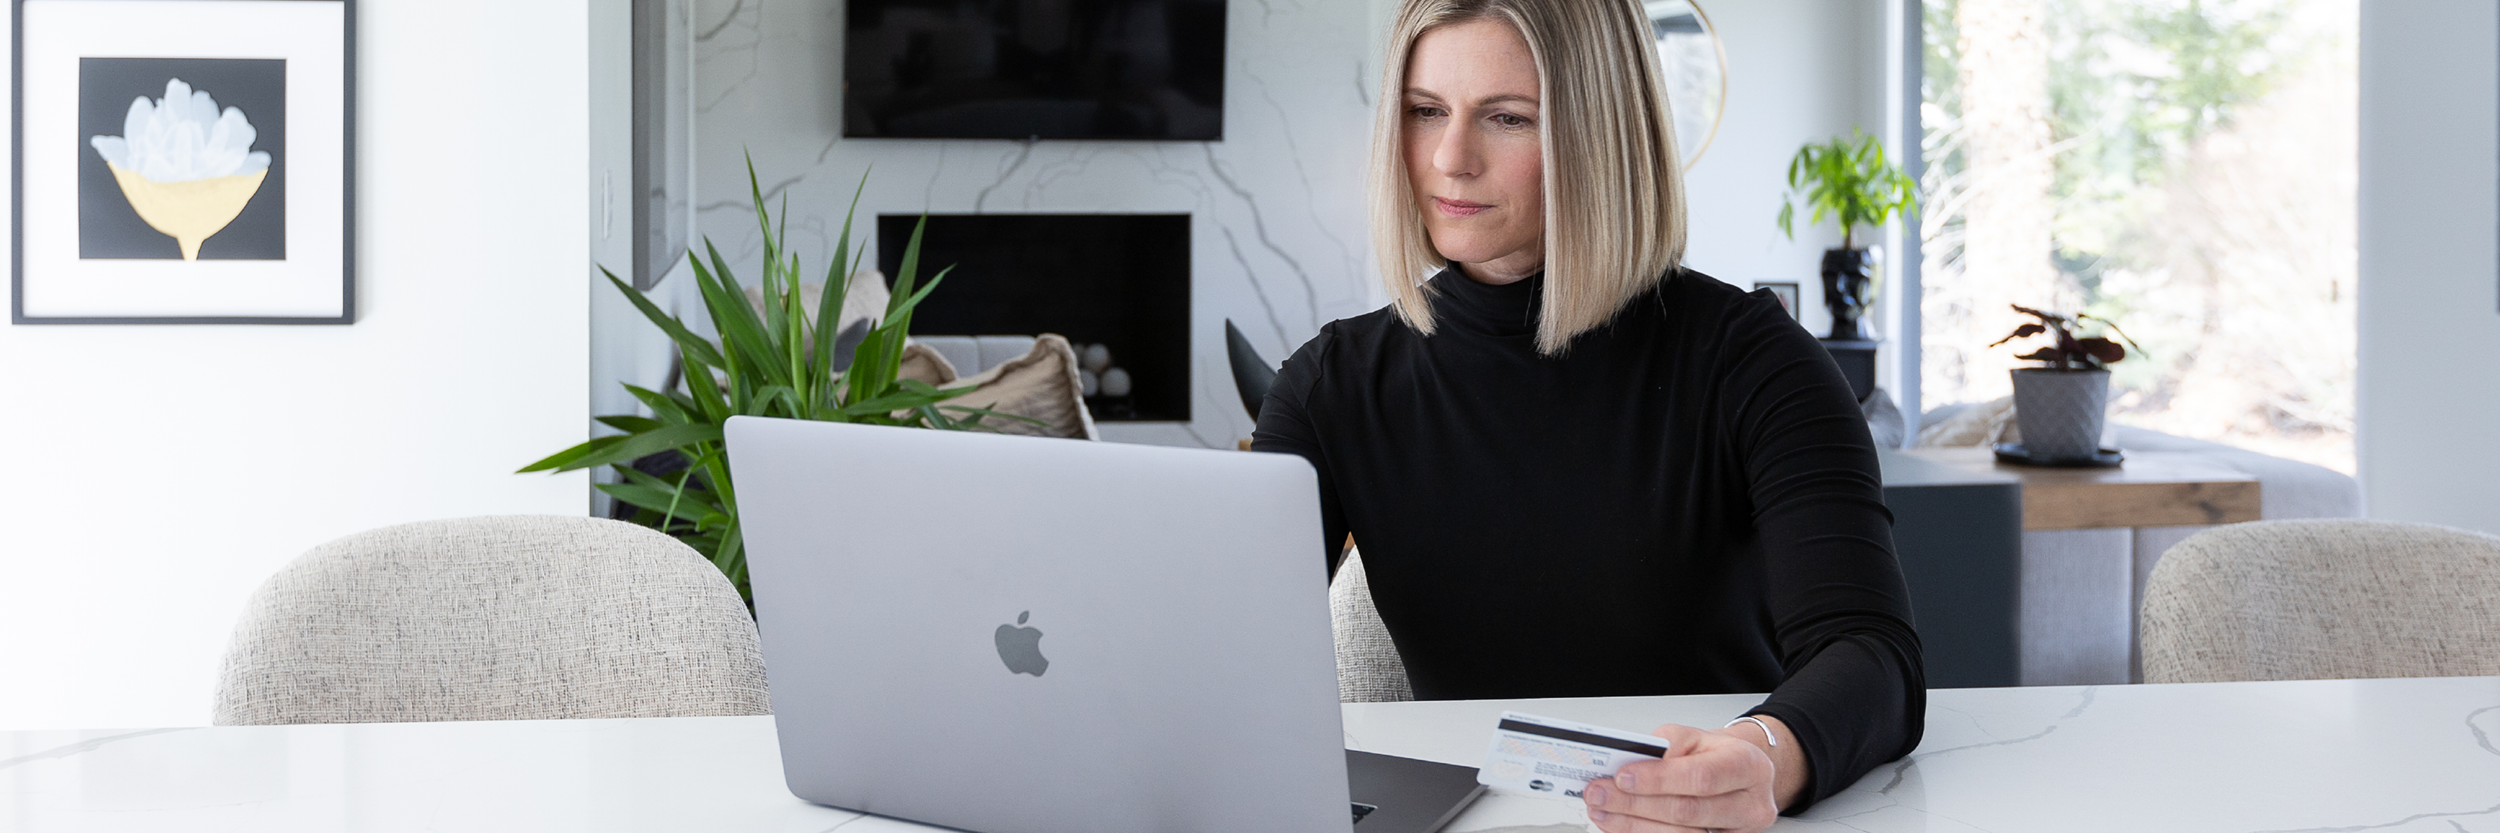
{"points": [[741, 331], [687, 490], [2102, 349], [2027, 329], [2044, 354], [630, 424], [702, 350], [554, 462], [679, 499], [837, 292], [666, 406], [776, 361], [630, 446], [657, 500]]}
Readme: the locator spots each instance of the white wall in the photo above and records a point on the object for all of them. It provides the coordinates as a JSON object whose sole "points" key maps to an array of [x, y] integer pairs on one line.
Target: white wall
{"points": [[2430, 272], [1280, 242], [1798, 71], [160, 473]]}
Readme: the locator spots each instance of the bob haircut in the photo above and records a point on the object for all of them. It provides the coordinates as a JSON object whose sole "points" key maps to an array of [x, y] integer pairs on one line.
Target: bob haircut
{"points": [[1614, 186]]}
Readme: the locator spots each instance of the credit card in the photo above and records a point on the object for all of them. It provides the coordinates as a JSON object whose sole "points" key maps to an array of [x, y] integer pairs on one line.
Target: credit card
{"points": [[1558, 758]]}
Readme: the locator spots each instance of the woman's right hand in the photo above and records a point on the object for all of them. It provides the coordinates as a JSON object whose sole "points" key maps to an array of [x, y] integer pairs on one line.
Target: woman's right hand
{"points": [[1710, 780]]}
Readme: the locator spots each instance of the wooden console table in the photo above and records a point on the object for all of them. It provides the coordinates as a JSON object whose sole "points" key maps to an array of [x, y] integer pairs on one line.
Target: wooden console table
{"points": [[2154, 488], [2025, 575]]}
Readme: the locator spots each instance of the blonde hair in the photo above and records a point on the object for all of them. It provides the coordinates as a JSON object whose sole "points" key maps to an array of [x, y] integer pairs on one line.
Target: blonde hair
{"points": [[1614, 187]]}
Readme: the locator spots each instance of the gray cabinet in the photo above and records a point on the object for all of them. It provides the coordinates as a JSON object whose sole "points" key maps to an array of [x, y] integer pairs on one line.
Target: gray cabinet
{"points": [[1959, 535]]}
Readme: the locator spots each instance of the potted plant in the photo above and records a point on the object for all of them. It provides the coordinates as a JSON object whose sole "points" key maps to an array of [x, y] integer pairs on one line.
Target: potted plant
{"points": [[1850, 179], [777, 364], [2060, 405]]}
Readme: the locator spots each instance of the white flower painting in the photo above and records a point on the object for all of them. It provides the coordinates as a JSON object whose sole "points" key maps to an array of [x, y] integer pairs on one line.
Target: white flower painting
{"points": [[186, 167], [185, 163]]}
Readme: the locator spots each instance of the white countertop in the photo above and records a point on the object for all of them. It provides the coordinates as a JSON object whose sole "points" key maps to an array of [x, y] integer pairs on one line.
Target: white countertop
{"points": [[2397, 755]]}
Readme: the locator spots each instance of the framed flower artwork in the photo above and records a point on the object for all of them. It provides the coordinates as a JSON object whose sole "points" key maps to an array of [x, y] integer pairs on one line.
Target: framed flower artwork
{"points": [[183, 162]]}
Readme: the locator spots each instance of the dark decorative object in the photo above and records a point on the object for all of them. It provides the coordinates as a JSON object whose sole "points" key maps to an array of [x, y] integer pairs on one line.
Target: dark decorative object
{"points": [[1108, 387], [1847, 275], [1857, 364], [2107, 458], [1251, 375], [2062, 405]]}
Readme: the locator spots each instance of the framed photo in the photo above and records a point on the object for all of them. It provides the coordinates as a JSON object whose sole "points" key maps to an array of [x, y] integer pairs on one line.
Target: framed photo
{"points": [[1787, 293], [183, 162]]}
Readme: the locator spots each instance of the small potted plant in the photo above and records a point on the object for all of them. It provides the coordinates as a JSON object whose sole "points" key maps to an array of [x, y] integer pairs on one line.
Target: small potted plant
{"points": [[2062, 404], [1850, 179]]}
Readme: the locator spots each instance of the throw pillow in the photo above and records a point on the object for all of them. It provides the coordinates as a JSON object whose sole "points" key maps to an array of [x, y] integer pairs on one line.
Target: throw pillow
{"points": [[1984, 424], [1041, 384], [925, 363], [1883, 419]]}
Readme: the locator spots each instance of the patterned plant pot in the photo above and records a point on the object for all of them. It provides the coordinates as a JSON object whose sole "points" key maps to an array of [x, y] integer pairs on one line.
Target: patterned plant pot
{"points": [[2061, 411]]}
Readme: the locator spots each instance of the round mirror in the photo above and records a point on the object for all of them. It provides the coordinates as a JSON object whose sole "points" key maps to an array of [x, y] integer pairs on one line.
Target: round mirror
{"points": [[1696, 69]]}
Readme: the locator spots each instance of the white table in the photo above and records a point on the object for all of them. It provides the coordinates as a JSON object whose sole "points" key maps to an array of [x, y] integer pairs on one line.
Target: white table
{"points": [[2398, 755]]}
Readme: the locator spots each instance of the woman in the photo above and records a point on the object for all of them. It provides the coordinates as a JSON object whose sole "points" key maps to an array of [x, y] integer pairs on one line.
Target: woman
{"points": [[1578, 470]]}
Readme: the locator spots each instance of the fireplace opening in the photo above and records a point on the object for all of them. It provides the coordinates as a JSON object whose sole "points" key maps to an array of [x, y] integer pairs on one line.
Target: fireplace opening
{"points": [[1116, 285]]}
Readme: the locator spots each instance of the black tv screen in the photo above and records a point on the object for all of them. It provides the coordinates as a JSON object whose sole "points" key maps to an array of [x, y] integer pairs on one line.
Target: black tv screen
{"points": [[1034, 69]]}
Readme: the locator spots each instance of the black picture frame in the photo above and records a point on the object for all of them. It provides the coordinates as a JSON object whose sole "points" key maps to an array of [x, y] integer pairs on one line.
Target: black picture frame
{"points": [[346, 155], [1787, 292]]}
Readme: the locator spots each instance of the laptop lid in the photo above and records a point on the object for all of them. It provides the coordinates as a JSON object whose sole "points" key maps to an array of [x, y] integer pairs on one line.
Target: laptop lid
{"points": [[1001, 633]]}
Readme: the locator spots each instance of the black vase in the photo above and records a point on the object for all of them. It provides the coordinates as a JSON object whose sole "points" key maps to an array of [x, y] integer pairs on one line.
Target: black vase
{"points": [[1846, 275]]}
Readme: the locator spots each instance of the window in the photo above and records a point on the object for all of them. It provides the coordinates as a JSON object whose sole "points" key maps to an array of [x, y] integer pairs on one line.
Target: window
{"points": [[2185, 168]]}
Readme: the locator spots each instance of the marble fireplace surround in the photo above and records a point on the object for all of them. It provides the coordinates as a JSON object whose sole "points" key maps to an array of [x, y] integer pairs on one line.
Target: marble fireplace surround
{"points": [[1277, 239]]}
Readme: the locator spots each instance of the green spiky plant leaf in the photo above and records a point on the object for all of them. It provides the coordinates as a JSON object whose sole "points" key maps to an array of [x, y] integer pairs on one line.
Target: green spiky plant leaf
{"points": [[779, 363]]}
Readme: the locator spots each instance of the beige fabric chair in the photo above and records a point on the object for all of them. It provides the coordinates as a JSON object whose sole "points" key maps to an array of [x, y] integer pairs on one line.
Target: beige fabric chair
{"points": [[1368, 667], [2323, 599], [495, 618]]}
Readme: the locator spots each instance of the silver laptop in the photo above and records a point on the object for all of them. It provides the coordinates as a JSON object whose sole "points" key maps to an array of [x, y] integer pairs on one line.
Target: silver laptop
{"points": [[998, 633]]}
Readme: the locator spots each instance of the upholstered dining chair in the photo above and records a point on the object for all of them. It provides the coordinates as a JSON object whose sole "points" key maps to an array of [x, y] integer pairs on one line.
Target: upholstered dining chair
{"points": [[493, 618], [1368, 667], [2323, 599]]}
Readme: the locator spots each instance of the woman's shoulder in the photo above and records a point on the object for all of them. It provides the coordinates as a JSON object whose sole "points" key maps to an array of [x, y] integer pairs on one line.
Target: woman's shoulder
{"points": [[1356, 338], [1700, 292], [1696, 300]]}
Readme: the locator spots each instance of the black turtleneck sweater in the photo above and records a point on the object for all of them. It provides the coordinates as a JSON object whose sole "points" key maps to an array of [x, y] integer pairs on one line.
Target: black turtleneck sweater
{"points": [[1685, 502]]}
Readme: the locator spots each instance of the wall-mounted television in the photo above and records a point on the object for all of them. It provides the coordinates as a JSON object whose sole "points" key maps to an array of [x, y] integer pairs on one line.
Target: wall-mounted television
{"points": [[1034, 69]]}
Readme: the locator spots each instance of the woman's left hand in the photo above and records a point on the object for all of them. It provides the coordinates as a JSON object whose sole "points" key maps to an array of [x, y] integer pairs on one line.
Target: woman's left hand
{"points": [[1709, 781]]}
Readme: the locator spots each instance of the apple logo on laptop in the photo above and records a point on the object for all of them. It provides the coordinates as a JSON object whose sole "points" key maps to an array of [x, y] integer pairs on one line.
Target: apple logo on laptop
{"points": [[1021, 648]]}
